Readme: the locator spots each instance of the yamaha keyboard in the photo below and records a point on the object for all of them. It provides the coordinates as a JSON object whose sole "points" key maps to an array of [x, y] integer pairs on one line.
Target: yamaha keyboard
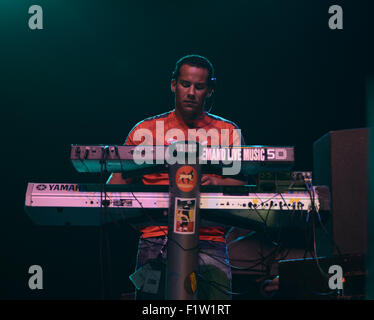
{"points": [[56, 204], [150, 159]]}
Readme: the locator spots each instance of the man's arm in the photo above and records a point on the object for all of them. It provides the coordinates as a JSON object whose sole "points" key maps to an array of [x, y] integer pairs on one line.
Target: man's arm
{"points": [[237, 140], [220, 181]]}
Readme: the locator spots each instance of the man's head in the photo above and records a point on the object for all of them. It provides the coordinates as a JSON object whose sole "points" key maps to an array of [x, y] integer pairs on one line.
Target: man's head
{"points": [[192, 83]]}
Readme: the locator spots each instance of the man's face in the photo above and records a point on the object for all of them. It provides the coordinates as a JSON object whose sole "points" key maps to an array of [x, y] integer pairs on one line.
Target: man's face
{"points": [[190, 89]]}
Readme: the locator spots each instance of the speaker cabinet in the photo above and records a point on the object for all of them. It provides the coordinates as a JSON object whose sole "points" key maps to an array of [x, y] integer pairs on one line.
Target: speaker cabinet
{"points": [[340, 161]]}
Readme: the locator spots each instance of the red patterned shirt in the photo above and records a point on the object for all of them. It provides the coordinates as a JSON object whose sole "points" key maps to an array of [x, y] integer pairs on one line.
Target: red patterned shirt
{"points": [[160, 127]]}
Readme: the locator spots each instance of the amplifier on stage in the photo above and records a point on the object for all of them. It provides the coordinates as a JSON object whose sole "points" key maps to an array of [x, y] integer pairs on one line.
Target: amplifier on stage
{"points": [[318, 279]]}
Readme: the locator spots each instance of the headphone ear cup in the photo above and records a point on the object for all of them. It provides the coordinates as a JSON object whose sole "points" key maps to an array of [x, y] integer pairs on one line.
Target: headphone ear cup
{"points": [[172, 80], [171, 85]]}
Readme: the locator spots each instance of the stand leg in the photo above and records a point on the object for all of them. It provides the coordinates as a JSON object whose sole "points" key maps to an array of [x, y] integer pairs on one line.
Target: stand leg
{"points": [[183, 231]]}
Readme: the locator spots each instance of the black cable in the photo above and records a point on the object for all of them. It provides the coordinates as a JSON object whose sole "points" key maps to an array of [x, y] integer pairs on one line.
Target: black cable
{"points": [[311, 192], [106, 215], [331, 238], [212, 102], [280, 248], [249, 234], [103, 234], [82, 162], [228, 263], [266, 219], [313, 213], [325, 230], [332, 292], [259, 261], [288, 250], [266, 235], [272, 255], [267, 213], [323, 273], [310, 234], [219, 286], [279, 241], [251, 268]]}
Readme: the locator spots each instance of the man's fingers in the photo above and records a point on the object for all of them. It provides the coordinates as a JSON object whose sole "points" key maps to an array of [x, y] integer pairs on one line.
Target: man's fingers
{"points": [[205, 180]]}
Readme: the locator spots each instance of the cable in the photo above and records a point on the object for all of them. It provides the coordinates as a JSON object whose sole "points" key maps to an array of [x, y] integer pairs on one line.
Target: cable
{"points": [[103, 221], [280, 248], [258, 261], [225, 263], [219, 286], [270, 257], [313, 214], [310, 232], [332, 292], [101, 234], [326, 232], [241, 238], [212, 102], [311, 192]]}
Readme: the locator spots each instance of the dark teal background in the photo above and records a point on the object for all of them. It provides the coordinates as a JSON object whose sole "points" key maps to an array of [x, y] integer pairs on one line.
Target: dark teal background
{"points": [[99, 67]]}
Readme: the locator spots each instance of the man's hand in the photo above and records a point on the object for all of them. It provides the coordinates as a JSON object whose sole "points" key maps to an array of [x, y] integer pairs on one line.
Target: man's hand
{"points": [[215, 180], [269, 287], [272, 285], [210, 180]]}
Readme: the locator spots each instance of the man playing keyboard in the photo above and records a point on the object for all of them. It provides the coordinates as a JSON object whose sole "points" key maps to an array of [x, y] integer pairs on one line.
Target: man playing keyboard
{"points": [[193, 84]]}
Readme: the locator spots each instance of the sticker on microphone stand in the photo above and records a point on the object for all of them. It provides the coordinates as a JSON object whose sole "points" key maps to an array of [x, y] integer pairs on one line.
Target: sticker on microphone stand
{"points": [[184, 215], [186, 178]]}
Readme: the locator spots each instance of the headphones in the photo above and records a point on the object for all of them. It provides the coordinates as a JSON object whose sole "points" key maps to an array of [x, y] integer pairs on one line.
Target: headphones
{"points": [[211, 81], [197, 60]]}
